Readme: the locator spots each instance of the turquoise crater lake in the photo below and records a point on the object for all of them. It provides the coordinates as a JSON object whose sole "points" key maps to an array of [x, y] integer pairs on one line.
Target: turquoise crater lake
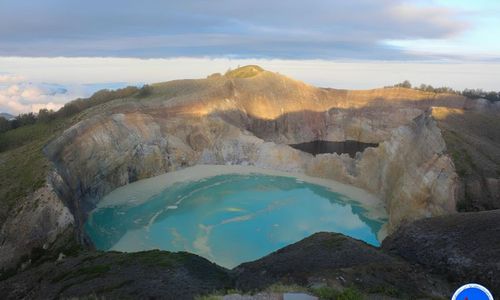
{"points": [[229, 219]]}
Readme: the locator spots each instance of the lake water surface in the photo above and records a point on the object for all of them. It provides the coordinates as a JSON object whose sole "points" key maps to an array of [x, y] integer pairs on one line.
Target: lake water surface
{"points": [[229, 219]]}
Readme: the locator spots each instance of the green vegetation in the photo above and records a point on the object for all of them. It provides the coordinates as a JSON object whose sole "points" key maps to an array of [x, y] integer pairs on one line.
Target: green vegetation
{"points": [[245, 72], [219, 295], [350, 294], [386, 290], [113, 287], [87, 273], [214, 76], [469, 93], [100, 97], [209, 297], [92, 296], [91, 271], [30, 133], [277, 288], [464, 165], [286, 288], [323, 293], [405, 84], [4, 125], [159, 258], [329, 293], [335, 242], [145, 91], [74, 107], [23, 167], [479, 93]]}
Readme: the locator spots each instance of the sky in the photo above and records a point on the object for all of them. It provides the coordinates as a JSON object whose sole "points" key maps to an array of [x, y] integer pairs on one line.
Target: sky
{"points": [[53, 51]]}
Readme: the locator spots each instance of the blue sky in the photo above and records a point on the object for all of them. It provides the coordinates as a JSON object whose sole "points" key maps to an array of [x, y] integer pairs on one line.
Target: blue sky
{"points": [[478, 41], [84, 44]]}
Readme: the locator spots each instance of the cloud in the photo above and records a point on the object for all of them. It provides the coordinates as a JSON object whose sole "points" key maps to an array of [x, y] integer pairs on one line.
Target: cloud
{"points": [[24, 97], [297, 29], [10, 78], [82, 76]]}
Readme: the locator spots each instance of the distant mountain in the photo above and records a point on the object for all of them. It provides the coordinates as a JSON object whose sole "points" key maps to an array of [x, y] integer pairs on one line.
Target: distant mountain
{"points": [[7, 116]]}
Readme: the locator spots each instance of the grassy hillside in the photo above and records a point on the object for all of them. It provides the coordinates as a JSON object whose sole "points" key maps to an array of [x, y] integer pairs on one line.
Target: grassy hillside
{"points": [[245, 72], [23, 168], [473, 139]]}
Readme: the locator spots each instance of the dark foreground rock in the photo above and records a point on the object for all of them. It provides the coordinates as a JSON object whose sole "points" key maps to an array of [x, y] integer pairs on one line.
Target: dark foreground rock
{"points": [[321, 260], [463, 247], [112, 275], [429, 258], [336, 260]]}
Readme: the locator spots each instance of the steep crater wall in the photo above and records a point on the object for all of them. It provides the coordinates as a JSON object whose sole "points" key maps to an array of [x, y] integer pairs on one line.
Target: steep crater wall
{"points": [[409, 171], [251, 121], [244, 121]]}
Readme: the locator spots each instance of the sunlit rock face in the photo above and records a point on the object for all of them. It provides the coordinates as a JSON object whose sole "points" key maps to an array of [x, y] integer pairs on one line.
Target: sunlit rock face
{"points": [[410, 171], [250, 121]]}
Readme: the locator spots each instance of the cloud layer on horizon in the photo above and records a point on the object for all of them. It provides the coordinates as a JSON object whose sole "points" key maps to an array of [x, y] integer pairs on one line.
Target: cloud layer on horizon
{"points": [[19, 96], [24, 88], [322, 29]]}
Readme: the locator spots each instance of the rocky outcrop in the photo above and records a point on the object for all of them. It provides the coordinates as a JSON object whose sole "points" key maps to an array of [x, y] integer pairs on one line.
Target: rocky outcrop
{"points": [[410, 171], [141, 275], [425, 259], [37, 223], [248, 121], [473, 141], [103, 153], [335, 260], [321, 260], [463, 247]]}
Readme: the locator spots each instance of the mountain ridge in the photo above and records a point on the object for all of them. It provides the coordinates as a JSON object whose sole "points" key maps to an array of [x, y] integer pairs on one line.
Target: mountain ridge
{"points": [[7, 116]]}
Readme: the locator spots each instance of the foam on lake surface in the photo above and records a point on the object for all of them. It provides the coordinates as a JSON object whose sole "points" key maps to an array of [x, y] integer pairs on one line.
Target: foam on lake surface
{"points": [[228, 218]]}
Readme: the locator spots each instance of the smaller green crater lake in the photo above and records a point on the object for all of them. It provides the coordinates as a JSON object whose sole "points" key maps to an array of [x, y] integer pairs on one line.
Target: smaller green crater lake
{"points": [[230, 219]]}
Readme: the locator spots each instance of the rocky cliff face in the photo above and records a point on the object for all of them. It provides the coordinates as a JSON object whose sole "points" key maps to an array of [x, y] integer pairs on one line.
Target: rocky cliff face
{"points": [[463, 247], [473, 140], [250, 121], [37, 223], [410, 171]]}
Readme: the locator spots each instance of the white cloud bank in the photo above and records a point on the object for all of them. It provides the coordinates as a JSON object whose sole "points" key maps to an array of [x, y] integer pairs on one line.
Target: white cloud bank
{"points": [[23, 86], [19, 96]]}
